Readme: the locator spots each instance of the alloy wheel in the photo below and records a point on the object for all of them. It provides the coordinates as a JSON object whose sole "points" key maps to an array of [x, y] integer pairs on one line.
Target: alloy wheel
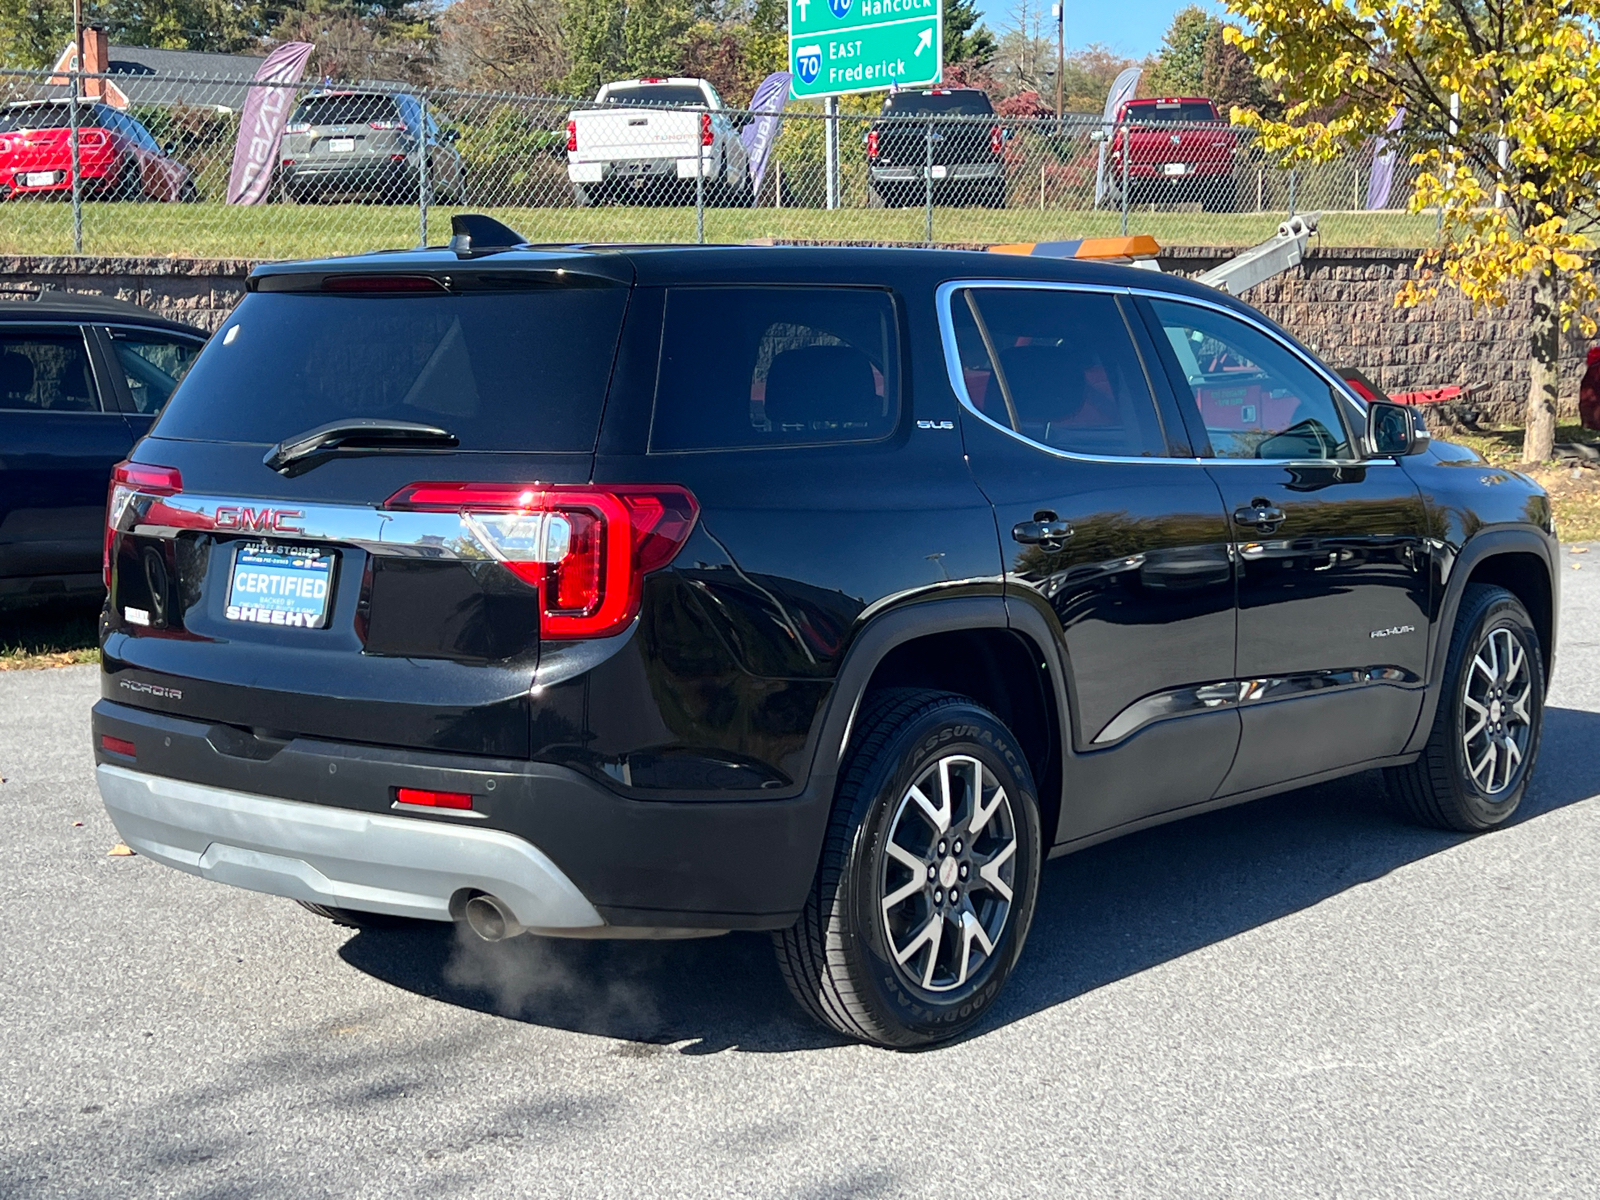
{"points": [[948, 873], [1495, 722]]}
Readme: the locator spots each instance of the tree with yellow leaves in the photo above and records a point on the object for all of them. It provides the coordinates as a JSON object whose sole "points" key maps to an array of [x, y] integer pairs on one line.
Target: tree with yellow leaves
{"points": [[1501, 102]]}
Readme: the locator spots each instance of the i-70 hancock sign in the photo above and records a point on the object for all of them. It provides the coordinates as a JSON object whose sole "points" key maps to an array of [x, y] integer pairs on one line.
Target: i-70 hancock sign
{"points": [[838, 46]]}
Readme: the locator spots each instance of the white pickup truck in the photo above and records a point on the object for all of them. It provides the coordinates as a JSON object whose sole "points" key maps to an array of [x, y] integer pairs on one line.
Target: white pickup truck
{"points": [[645, 141]]}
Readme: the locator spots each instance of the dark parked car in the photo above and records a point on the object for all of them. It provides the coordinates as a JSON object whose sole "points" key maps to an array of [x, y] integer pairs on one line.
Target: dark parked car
{"points": [[482, 584], [364, 145], [949, 136], [81, 379]]}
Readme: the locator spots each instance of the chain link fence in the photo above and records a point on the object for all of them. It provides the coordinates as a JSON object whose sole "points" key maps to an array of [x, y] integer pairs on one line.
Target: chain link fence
{"points": [[367, 166]]}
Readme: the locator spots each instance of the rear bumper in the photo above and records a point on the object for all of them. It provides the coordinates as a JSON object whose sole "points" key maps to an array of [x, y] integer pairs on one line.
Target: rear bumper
{"points": [[336, 856], [639, 864], [942, 173], [350, 175]]}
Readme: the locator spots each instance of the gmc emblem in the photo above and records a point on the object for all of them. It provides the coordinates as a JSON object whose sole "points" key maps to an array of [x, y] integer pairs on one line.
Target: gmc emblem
{"points": [[260, 520]]}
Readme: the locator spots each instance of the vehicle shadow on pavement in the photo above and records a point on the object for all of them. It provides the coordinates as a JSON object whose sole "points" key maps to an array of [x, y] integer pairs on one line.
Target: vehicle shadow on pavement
{"points": [[1104, 914]]}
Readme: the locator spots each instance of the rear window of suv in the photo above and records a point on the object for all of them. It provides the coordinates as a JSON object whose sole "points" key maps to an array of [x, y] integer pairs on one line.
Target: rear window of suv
{"points": [[675, 95], [345, 110], [918, 104], [748, 367], [524, 370]]}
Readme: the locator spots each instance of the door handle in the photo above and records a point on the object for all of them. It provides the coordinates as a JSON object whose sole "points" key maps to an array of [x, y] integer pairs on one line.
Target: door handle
{"points": [[1263, 514], [1046, 529]]}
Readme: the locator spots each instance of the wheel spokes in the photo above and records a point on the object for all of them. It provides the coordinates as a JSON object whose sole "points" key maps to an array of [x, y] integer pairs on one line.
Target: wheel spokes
{"points": [[990, 871], [919, 876]]}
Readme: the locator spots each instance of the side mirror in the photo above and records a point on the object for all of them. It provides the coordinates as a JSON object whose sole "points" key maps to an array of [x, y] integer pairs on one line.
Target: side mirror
{"points": [[1098, 135], [1395, 430], [450, 135], [170, 149]]}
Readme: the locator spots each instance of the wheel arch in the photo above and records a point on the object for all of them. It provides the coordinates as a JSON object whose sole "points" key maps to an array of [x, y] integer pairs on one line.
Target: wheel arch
{"points": [[974, 646], [1521, 561]]}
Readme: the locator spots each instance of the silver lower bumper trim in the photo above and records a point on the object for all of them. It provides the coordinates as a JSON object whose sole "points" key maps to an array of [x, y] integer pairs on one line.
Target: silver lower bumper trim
{"points": [[337, 856]]}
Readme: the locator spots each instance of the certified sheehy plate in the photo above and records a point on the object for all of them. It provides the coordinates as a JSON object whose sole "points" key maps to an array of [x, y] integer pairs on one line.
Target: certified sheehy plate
{"points": [[341, 145], [280, 585]]}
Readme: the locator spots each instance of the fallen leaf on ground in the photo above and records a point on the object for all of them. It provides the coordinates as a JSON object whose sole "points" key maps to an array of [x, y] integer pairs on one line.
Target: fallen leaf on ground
{"points": [[120, 850], [1580, 549], [77, 824]]}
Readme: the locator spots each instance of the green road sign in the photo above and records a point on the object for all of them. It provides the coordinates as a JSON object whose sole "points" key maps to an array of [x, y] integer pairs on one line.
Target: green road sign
{"points": [[838, 46]]}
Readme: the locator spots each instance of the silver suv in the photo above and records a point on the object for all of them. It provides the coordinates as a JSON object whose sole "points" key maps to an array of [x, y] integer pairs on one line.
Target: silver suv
{"points": [[363, 145]]}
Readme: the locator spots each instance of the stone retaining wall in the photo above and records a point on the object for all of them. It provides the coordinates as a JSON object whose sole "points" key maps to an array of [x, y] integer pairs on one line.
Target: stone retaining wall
{"points": [[1340, 301]]}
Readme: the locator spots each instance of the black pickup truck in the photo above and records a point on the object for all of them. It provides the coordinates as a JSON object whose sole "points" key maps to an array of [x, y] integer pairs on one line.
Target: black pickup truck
{"points": [[943, 142], [658, 592]]}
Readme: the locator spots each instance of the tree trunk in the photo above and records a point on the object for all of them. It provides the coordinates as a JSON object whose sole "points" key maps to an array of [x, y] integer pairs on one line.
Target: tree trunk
{"points": [[1539, 441]]}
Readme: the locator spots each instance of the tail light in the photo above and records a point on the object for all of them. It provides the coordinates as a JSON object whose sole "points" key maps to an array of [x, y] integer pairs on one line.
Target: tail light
{"points": [[128, 480], [116, 745], [297, 127], [705, 129], [90, 139], [387, 125], [586, 548], [429, 798], [872, 143], [572, 136], [997, 139]]}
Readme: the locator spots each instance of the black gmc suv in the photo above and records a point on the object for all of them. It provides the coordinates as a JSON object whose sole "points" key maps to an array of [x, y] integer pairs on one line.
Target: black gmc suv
{"points": [[654, 592]]}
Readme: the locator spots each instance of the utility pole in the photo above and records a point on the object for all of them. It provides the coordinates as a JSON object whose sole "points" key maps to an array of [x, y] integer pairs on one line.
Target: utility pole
{"points": [[1059, 12], [77, 86]]}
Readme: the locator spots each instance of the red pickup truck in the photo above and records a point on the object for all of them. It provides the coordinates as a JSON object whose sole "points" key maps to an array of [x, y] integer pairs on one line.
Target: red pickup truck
{"points": [[1178, 149]]}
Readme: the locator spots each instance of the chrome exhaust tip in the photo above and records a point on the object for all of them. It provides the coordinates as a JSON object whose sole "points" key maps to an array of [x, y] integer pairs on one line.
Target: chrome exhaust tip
{"points": [[491, 918]]}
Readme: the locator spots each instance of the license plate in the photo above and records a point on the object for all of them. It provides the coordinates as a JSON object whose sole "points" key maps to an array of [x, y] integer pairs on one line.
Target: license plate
{"points": [[1175, 169], [280, 585], [42, 178], [341, 145]]}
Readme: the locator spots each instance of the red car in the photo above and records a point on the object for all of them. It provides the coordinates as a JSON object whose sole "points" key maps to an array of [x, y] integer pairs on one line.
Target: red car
{"points": [[1181, 149], [118, 158]]}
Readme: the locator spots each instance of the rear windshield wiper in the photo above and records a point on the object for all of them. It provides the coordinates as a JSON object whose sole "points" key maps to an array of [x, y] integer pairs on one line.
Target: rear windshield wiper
{"points": [[356, 435]]}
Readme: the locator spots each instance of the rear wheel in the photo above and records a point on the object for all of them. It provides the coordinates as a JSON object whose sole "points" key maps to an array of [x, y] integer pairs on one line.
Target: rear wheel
{"points": [[928, 878], [1474, 769]]}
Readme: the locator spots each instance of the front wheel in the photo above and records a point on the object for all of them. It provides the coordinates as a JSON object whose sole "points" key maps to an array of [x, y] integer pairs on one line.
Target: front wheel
{"points": [[1485, 736], [928, 878]]}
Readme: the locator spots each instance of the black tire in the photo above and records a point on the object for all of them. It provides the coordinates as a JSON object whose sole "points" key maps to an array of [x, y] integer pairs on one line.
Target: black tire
{"points": [[1224, 200], [1460, 782], [583, 197], [839, 959], [353, 919], [128, 186], [994, 196], [188, 193]]}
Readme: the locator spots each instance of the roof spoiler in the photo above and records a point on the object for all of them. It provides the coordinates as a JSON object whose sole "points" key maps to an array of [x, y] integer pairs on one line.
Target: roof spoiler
{"points": [[472, 234]]}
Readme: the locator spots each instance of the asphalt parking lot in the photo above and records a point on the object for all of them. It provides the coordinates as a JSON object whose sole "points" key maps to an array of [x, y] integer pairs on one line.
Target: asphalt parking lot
{"points": [[1298, 997]]}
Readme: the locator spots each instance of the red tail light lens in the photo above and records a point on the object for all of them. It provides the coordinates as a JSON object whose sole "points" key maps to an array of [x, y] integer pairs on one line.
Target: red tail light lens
{"points": [[586, 548], [118, 745], [396, 125], [432, 799], [130, 479], [872, 143], [705, 129], [572, 136], [997, 139]]}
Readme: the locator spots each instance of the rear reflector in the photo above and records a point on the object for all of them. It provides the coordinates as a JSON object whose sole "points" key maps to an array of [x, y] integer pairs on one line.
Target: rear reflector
{"points": [[432, 799], [586, 548], [117, 745]]}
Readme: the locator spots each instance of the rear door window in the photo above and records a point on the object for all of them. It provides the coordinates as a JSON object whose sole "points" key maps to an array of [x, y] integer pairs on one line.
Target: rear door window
{"points": [[154, 364], [346, 110], [769, 366], [1056, 367], [522, 370], [961, 103], [46, 372]]}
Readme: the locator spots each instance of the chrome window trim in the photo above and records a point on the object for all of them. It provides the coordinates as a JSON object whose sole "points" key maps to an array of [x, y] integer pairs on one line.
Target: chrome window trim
{"points": [[952, 362]]}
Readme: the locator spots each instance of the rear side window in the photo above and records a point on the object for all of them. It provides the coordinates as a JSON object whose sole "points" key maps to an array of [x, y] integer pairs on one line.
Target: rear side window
{"points": [[153, 364], [346, 110], [753, 367], [523, 370], [46, 373], [1057, 367]]}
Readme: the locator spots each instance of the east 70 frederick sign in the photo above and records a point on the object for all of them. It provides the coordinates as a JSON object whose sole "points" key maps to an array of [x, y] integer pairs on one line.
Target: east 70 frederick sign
{"points": [[838, 46]]}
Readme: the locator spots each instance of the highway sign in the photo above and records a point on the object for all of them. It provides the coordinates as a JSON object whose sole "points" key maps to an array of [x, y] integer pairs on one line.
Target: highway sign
{"points": [[838, 46]]}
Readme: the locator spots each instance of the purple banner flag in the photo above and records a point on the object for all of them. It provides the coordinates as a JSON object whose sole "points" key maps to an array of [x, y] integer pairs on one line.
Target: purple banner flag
{"points": [[266, 111], [1383, 155], [761, 133]]}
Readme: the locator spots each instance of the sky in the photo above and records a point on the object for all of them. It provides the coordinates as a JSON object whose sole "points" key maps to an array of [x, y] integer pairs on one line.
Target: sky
{"points": [[1131, 27]]}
